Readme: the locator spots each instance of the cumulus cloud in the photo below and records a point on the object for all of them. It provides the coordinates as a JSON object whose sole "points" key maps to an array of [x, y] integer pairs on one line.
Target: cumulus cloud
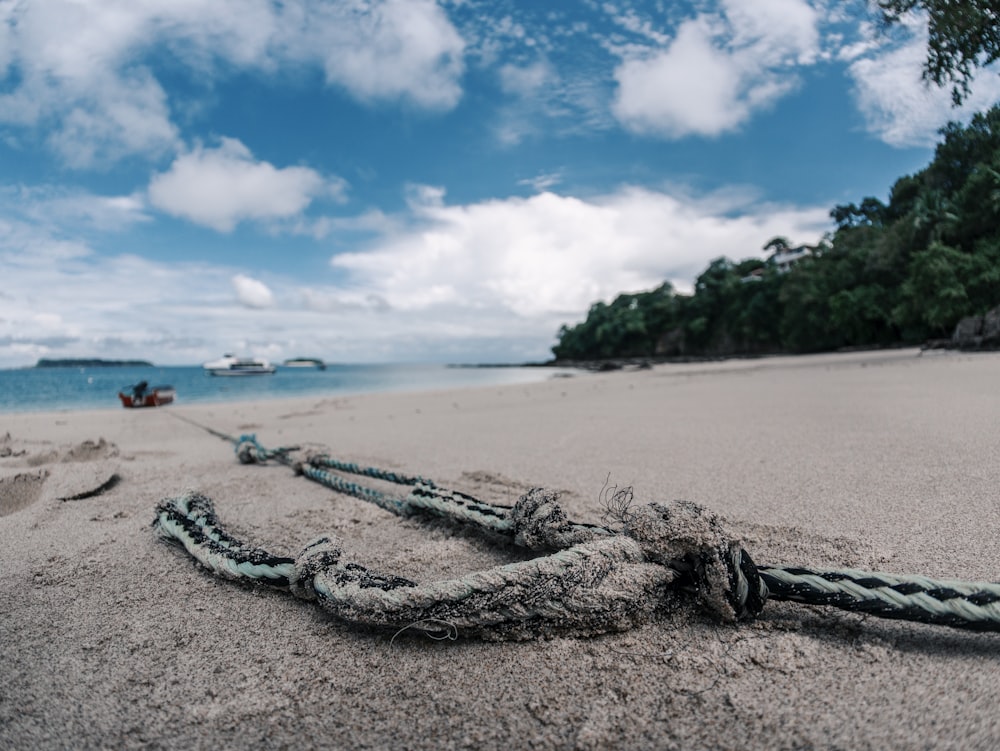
{"points": [[83, 71], [549, 255], [661, 94], [221, 187], [718, 69], [898, 106], [777, 31], [251, 292], [389, 49]]}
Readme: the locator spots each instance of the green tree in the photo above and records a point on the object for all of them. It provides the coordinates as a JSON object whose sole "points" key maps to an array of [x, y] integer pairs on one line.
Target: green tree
{"points": [[963, 35], [934, 296], [897, 272]]}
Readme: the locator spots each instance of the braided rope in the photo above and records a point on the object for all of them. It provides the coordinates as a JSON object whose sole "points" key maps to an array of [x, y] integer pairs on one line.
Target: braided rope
{"points": [[424, 497], [596, 581], [329, 462], [347, 487], [970, 605], [191, 521]]}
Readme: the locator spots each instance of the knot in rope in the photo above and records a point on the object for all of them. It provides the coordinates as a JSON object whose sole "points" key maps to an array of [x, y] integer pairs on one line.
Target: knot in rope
{"points": [[319, 555], [250, 451], [692, 541]]}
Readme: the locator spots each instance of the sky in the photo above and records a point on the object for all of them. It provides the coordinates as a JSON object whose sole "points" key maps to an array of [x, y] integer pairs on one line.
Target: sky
{"points": [[421, 181]]}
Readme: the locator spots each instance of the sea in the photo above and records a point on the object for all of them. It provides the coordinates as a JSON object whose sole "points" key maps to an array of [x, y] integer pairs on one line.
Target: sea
{"points": [[61, 388]]}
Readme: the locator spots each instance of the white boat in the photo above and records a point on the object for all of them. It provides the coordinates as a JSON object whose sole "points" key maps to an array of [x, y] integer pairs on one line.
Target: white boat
{"points": [[229, 365], [305, 362]]}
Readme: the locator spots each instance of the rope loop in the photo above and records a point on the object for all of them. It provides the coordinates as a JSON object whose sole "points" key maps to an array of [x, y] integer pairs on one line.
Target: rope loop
{"points": [[591, 583], [593, 579]]}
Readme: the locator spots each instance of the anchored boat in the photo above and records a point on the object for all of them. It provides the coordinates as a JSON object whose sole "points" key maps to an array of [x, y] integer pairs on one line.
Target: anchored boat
{"points": [[142, 395], [229, 365], [305, 362]]}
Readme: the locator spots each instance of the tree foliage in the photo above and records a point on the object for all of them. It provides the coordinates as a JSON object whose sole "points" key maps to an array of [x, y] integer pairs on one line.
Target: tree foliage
{"points": [[896, 272], [963, 35]]}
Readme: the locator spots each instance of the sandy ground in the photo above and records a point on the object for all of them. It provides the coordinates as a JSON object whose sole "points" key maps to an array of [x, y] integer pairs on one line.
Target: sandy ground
{"points": [[110, 638]]}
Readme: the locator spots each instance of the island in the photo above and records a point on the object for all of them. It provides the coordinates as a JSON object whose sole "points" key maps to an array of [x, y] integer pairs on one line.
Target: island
{"points": [[92, 363]]}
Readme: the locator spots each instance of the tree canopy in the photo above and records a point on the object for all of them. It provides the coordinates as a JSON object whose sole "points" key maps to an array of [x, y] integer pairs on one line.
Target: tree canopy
{"points": [[963, 35], [899, 272]]}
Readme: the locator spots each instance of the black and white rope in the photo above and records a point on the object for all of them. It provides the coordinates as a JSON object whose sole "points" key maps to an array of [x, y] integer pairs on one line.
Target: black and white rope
{"points": [[596, 580], [969, 605]]}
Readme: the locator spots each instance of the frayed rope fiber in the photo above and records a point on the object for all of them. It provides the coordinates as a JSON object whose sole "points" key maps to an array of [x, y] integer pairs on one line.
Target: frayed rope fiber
{"points": [[589, 579]]}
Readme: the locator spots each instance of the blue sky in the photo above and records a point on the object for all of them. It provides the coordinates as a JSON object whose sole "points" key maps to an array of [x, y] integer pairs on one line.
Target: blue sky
{"points": [[409, 180]]}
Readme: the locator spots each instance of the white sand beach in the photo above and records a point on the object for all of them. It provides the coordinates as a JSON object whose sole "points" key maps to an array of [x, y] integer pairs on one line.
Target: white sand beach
{"points": [[884, 461]]}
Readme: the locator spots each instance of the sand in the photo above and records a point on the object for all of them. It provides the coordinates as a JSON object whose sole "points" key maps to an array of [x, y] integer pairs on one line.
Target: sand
{"points": [[887, 461]]}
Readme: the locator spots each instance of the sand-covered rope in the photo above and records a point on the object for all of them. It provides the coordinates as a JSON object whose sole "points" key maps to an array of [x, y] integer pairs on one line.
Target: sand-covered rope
{"points": [[608, 582], [593, 580]]}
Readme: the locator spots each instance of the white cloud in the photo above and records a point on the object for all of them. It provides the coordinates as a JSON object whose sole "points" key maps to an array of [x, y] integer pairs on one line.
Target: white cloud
{"points": [[543, 99], [76, 209], [60, 298], [718, 70], [662, 94], [387, 49], [898, 106], [251, 292], [487, 280], [83, 71], [551, 256], [525, 80], [542, 182], [221, 187], [778, 31]]}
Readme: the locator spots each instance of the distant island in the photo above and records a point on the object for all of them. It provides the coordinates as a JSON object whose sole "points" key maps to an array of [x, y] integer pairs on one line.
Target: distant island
{"points": [[92, 363]]}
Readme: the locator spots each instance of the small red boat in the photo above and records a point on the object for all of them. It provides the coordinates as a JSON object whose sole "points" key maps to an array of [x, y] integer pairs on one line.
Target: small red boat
{"points": [[142, 395]]}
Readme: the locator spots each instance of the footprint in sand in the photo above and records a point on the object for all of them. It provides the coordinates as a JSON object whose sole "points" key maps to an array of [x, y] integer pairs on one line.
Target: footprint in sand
{"points": [[64, 473], [20, 490]]}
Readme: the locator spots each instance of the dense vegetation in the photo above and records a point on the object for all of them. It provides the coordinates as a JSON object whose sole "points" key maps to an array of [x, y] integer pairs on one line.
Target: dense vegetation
{"points": [[895, 273]]}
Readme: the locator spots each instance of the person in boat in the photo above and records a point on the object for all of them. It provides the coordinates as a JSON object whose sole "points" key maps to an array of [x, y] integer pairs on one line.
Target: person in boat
{"points": [[139, 391]]}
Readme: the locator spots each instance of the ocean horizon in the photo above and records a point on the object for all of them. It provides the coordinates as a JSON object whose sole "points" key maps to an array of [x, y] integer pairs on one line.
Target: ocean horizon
{"points": [[43, 389]]}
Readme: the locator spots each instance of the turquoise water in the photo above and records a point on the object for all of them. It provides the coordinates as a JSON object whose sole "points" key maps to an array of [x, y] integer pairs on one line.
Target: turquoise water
{"points": [[44, 389]]}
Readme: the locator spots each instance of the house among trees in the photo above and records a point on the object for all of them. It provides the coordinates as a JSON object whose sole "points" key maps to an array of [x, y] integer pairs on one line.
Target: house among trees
{"points": [[782, 259], [784, 255], [785, 258]]}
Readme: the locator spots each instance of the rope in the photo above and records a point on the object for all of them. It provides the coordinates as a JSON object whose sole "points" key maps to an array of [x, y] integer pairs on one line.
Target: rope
{"points": [[609, 583], [969, 605], [594, 579], [424, 496]]}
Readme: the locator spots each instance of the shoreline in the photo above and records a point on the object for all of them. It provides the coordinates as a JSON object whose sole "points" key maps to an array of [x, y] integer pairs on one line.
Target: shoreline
{"points": [[877, 461], [69, 389]]}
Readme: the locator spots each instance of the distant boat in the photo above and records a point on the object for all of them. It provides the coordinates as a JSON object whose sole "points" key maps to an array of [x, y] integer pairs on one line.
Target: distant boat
{"points": [[305, 362], [142, 395], [230, 365]]}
